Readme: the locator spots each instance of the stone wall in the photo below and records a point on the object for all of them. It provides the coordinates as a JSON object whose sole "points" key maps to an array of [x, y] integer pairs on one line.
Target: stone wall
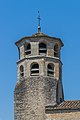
{"points": [[64, 116], [32, 95]]}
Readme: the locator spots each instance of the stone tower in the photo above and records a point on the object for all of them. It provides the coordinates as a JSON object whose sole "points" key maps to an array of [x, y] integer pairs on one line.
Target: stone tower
{"points": [[39, 76]]}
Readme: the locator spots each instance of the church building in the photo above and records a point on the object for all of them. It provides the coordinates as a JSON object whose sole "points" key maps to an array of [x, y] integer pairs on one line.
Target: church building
{"points": [[38, 93]]}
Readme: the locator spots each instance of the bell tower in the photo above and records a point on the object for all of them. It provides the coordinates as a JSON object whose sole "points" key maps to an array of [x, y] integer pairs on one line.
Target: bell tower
{"points": [[39, 76]]}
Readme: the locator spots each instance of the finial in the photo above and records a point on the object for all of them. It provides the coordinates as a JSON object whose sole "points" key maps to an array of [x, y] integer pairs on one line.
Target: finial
{"points": [[39, 27]]}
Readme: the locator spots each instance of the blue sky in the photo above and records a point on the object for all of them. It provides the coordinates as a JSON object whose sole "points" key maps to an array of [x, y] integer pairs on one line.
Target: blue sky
{"points": [[18, 18]]}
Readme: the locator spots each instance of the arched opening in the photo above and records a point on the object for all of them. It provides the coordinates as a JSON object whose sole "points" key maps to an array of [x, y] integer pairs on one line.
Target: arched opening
{"points": [[56, 54], [34, 69], [42, 48], [50, 69], [21, 71], [28, 49]]}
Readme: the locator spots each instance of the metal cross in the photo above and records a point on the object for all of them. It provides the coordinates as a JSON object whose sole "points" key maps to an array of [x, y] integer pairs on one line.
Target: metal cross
{"points": [[39, 18], [39, 28]]}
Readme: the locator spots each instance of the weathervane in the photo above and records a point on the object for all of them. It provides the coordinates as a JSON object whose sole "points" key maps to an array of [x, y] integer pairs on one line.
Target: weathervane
{"points": [[39, 27]]}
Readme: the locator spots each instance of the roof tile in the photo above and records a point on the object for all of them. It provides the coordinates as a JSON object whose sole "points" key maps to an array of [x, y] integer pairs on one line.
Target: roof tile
{"points": [[69, 104]]}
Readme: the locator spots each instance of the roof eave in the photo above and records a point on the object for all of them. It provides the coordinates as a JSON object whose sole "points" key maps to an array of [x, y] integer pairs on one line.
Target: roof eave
{"points": [[37, 36]]}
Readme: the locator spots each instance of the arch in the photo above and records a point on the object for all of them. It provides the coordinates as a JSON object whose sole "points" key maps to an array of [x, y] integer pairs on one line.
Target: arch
{"points": [[21, 71], [42, 48], [56, 52], [34, 69], [50, 69], [28, 49]]}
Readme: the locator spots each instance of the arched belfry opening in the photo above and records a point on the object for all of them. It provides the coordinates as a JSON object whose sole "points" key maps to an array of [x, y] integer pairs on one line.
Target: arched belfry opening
{"points": [[27, 49], [34, 69], [21, 71], [56, 51], [50, 69], [42, 48]]}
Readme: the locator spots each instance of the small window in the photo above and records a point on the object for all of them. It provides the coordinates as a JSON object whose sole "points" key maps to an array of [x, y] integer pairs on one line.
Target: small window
{"points": [[21, 71], [61, 100], [28, 49], [56, 54], [50, 69], [42, 48], [35, 69]]}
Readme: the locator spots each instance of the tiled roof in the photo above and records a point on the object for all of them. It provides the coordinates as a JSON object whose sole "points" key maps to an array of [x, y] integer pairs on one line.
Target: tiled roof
{"points": [[70, 104]]}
